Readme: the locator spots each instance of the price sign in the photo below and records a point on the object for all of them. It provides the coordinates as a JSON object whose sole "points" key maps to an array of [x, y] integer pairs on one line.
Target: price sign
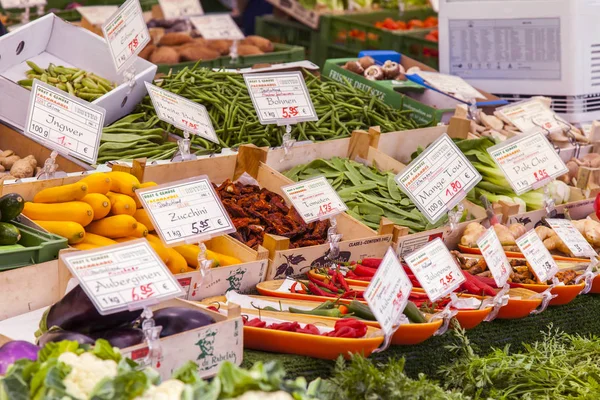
{"points": [[314, 199], [123, 276], [173, 9], [435, 269], [8, 4], [539, 258], [64, 122], [280, 98], [531, 116], [217, 26], [182, 113], [438, 179], [528, 161], [388, 292], [574, 240], [186, 211], [452, 85], [97, 15], [495, 257], [126, 34]]}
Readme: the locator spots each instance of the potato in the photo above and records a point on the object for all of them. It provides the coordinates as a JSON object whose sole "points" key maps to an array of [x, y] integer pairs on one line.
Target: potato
{"points": [[198, 52], [147, 51], [262, 43], [164, 55], [222, 46], [248, 50], [174, 39]]}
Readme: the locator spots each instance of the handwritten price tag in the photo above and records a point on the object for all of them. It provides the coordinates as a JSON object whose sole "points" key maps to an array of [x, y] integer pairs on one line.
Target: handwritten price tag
{"points": [[126, 34], [388, 292], [97, 15], [280, 98], [173, 9], [182, 113], [495, 257], [574, 240], [217, 26], [435, 269], [438, 179], [123, 276], [531, 116], [539, 258], [314, 199], [528, 161], [64, 122], [186, 211]]}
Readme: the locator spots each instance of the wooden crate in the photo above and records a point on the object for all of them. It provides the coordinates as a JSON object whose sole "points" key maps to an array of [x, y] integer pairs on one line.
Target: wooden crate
{"points": [[39, 286]]}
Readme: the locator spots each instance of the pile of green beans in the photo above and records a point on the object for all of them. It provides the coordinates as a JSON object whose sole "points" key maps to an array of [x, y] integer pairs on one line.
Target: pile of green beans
{"points": [[74, 81], [369, 193]]}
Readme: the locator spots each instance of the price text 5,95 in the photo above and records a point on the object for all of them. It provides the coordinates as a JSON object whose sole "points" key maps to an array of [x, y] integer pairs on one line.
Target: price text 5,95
{"points": [[289, 112], [200, 226]]}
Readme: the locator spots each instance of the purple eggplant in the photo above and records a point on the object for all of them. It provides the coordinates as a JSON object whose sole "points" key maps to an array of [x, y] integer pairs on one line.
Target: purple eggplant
{"points": [[121, 337], [180, 319], [75, 312], [16, 350], [58, 335]]}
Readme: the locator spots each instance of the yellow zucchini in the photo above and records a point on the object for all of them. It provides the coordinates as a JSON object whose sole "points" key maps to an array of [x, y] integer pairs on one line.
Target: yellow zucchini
{"points": [[124, 183], [115, 226], [224, 260], [138, 203], [73, 231], [85, 246], [142, 216], [75, 211], [141, 230], [176, 262], [97, 183], [60, 194], [97, 240], [159, 248], [99, 203], [121, 204], [125, 239]]}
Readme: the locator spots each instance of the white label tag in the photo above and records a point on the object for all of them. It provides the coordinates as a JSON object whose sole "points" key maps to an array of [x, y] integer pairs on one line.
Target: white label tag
{"points": [[388, 292], [495, 257], [528, 161], [539, 258], [126, 34], [438, 179], [217, 26], [187, 211], [123, 276], [173, 9], [574, 240], [8, 4], [314, 199], [531, 116], [64, 122], [452, 85], [435, 269], [182, 113], [97, 15], [280, 98]]}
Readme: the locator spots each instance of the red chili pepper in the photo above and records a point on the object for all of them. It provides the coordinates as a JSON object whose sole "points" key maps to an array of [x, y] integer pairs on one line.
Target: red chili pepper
{"points": [[407, 269], [351, 275], [353, 294], [417, 295], [256, 323], [469, 285], [285, 326], [361, 270], [344, 332], [355, 324], [294, 290], [322, 284], [213, 308], [317, 291], [340, 278], [310, 329], [415, 282], [371, 262]]}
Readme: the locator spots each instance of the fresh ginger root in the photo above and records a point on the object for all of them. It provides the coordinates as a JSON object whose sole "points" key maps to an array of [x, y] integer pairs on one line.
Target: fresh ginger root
{"points": [[504, 235], [472, 233], [590, 229]]}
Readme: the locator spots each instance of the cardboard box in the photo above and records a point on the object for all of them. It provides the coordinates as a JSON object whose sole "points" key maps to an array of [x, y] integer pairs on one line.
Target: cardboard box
{"points": [[52, 40]]}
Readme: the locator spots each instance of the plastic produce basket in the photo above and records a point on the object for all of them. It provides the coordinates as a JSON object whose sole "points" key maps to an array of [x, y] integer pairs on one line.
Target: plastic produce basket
{"points": [[281, 54], [39, 247]]}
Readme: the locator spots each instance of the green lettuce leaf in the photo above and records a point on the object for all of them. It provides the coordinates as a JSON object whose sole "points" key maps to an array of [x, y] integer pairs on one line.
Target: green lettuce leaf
{"points": [[55, 349], [104, 351]]}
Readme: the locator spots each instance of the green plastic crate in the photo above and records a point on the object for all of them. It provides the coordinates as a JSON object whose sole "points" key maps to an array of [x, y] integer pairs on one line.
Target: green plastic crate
{"points": [[282, 54], [39, 247]]}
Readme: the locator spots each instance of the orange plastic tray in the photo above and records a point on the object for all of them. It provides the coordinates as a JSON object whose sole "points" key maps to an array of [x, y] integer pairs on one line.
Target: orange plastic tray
{"points": [[565, 294], [517, 254], [595, 285]]}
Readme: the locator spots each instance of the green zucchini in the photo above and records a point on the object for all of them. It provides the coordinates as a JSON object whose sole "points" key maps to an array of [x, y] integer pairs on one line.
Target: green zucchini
{"points": [[9, 234], [11, 206]]}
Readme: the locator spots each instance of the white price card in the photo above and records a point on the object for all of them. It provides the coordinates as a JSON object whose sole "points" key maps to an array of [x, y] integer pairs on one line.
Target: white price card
{"points": [[539, 258], [435, 269], [438, 179], [186, 211], [280, 98], [97, 15], [123, 276], [495, 257], [531, 116], [217, 27], [574, 240], [126, 34], [314, 199], [66, 123], [182, 113], [173, 9], [528, 161], [8, 4], [388, 292], [452, 85]]}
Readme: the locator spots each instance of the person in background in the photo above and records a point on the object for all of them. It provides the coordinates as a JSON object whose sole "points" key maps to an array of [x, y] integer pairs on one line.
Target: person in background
{"points": [[248, 10], [3, 30]]}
